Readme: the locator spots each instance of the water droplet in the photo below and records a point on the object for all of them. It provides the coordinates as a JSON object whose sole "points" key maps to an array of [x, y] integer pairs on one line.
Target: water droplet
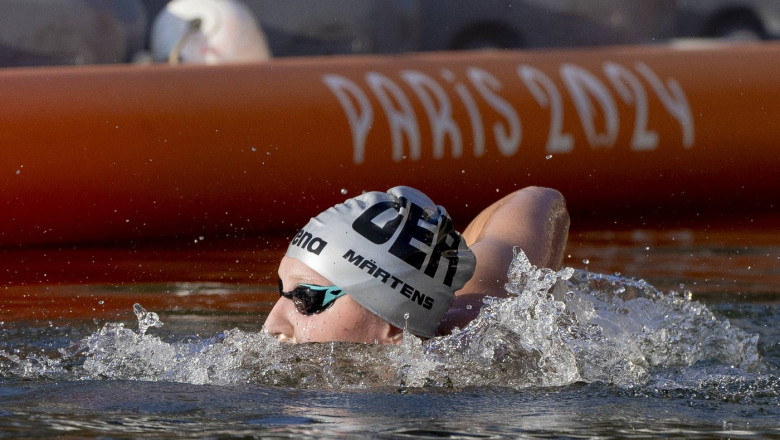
{"points": [[344, 191], [468, 307], [254, 149], [586, 261], [548, 157], [101, 302]]}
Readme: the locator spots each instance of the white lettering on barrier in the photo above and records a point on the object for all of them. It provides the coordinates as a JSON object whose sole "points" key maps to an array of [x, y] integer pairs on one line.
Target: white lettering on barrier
{"points": [[507, 139], [475, 116], [673, 98], [401, 118], [547, 95], [592, 98], [622, 80], [582, 83], [439, 111], [360, 118]]}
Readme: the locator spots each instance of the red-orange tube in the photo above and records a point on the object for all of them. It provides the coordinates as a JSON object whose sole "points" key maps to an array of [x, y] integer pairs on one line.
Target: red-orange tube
{"points": [[124, 152]]}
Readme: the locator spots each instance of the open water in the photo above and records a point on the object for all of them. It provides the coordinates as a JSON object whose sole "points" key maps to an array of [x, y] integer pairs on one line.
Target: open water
{"points": [[643, 334]]}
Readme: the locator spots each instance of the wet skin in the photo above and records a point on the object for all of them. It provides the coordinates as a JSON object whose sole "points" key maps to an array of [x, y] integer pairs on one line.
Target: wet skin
{"points": [[534, 219], [345, 320]]}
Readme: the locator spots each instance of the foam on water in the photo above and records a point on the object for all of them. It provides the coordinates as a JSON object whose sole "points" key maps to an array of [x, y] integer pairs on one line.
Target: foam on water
{"points": [[555, 329]]}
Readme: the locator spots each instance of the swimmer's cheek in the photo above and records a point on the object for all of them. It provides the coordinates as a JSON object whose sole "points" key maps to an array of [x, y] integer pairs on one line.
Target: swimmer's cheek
{"points": [[313, 331]]}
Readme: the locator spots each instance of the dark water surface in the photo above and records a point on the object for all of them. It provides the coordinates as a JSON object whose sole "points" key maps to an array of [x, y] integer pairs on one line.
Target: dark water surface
{"points": [[693, 351]]}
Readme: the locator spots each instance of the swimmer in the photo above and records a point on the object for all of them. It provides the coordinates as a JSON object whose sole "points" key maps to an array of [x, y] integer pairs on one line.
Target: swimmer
{"points": [[366, 269]]}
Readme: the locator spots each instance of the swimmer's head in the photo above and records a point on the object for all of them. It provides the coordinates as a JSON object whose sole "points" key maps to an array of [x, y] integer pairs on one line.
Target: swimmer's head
{"points": [[395, 253]]}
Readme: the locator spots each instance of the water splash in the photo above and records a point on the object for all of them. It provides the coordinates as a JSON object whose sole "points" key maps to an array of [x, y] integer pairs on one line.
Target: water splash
{"points": [[145, 319], [555, 328]]}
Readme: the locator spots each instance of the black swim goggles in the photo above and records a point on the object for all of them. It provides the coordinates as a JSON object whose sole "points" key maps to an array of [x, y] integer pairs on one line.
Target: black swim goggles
{"points": [[310, 299]]}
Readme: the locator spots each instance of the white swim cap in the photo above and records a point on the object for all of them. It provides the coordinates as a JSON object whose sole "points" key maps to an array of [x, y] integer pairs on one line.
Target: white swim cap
{"points": [[395, 253]]}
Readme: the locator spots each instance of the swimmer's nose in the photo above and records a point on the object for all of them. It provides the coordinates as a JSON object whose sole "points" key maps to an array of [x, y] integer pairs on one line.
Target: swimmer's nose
{"points": [[278, 323]]}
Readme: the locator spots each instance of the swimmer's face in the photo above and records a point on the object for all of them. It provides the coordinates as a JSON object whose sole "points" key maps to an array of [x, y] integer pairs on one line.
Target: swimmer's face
{"points": [[345, 320]]}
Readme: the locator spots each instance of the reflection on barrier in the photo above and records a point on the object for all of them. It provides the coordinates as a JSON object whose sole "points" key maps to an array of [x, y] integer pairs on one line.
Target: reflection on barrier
{"points": [[127, 152]]}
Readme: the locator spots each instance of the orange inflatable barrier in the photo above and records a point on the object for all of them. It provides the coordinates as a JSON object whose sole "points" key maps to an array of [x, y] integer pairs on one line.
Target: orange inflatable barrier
{"points": [[126, 152]]}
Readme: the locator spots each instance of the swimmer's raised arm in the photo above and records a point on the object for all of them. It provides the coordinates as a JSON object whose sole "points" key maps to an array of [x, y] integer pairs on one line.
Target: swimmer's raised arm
{"points": [[535, 219]]}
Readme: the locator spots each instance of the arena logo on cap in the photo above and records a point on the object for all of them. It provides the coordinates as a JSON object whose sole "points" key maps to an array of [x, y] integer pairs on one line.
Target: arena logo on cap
{"points": [[308, 242], [416, 227]]}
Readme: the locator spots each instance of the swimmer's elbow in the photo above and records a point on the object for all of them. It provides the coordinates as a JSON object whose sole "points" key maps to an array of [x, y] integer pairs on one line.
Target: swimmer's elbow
{"points": [[554, 203]]}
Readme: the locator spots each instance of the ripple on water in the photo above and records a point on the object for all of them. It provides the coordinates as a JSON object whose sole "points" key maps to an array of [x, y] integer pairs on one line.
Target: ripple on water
{"points": [[555, 329]]}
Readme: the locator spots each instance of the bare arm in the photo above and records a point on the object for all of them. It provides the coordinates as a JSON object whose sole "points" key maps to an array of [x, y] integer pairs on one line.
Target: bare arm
{"points": [[534, 219]]}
